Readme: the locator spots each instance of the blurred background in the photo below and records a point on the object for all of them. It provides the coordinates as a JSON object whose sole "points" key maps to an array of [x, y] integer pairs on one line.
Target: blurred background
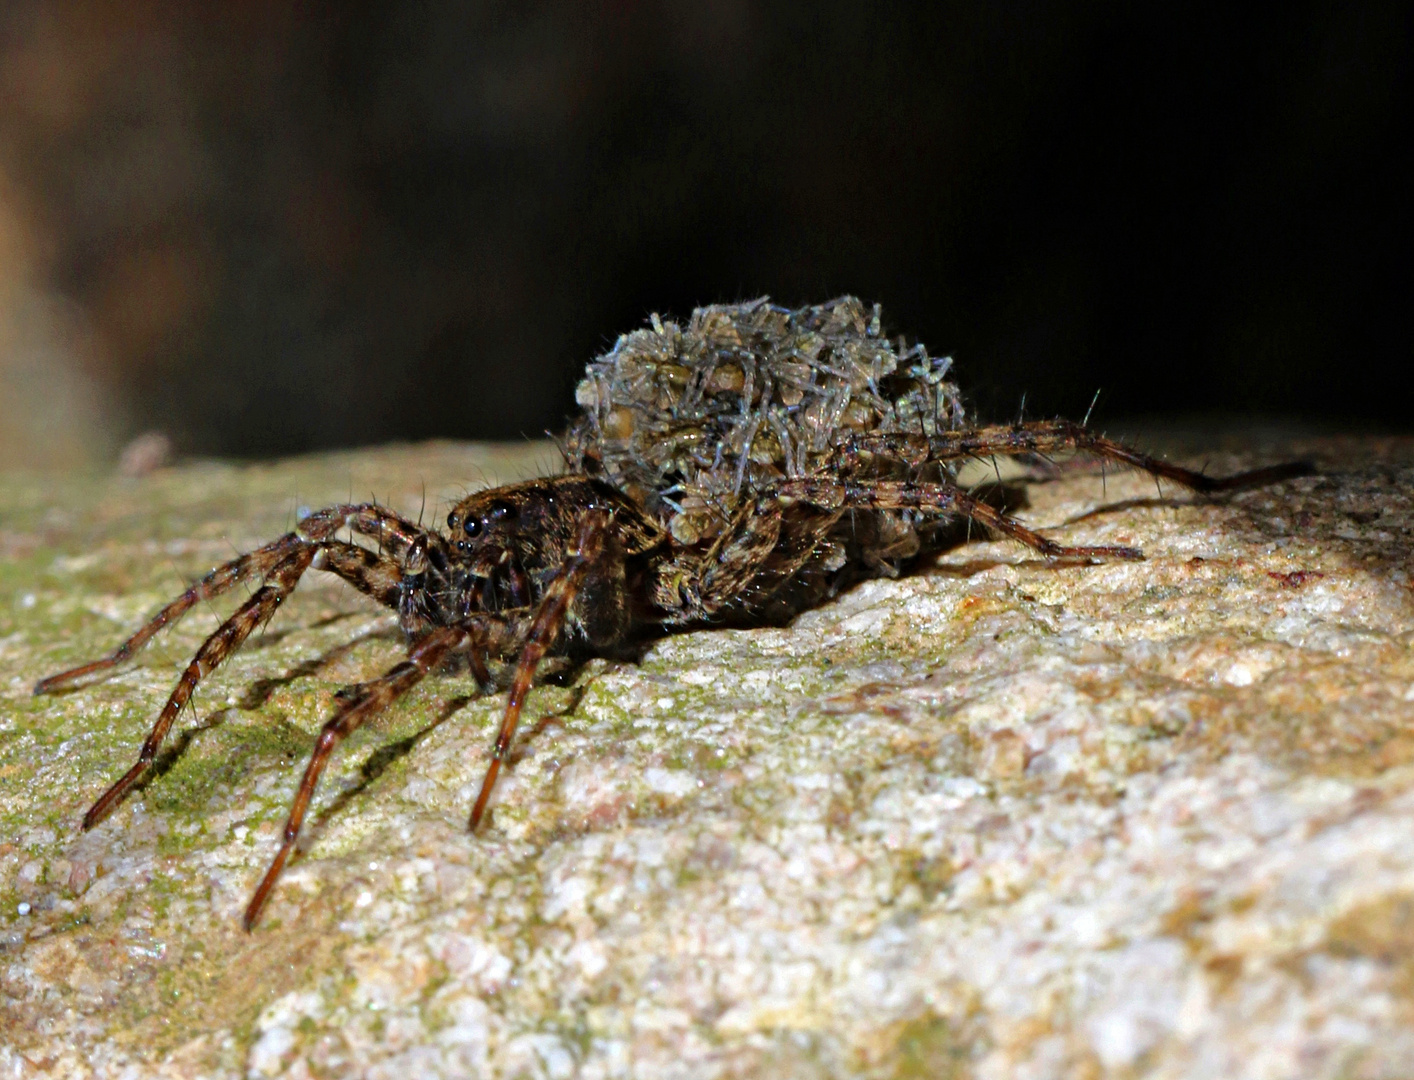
{"points": [[266, 227]]}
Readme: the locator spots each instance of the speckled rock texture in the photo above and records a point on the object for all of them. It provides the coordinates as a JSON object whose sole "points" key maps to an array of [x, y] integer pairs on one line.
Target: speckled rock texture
{"points": [[998, 819]]}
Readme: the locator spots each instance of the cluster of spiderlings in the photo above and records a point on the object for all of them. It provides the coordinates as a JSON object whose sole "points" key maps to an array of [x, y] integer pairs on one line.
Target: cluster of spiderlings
{"points": [[691, 420]]}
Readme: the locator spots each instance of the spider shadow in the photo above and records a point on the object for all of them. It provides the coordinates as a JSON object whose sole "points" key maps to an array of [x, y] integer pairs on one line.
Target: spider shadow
{"points": [[268, 638], [255, 696], [383, 758], [1011, 498], [257, 643], [1185, 498], [261, 690], [168, 757]]}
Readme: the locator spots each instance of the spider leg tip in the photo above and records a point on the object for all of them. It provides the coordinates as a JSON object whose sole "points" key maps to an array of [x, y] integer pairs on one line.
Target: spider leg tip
{"points": [[53, 683], [98, 813]]}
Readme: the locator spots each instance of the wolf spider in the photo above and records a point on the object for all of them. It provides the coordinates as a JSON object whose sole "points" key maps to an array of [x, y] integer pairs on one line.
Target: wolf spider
{"points": [[735, 471]]}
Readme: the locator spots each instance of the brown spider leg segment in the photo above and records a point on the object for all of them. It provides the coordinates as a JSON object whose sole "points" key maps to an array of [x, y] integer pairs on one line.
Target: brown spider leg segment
{"points": [[942, 498], [368, 572], [279, 583], [258, 563], [361, 701], [1049, 436], [367, 519], [394, 533], [476, 651], [549, 619], [372, 575], [350, 562]]}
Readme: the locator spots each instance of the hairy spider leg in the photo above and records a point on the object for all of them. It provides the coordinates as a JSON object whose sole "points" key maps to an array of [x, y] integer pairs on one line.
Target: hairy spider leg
{"points": [[832, 494], [378, 577], [544, 629], [1050, 436], [257, 563], [375, 575], [279, 583], [366, 519], [479, 635], [476, 652], [396, 535], [361, 701]]}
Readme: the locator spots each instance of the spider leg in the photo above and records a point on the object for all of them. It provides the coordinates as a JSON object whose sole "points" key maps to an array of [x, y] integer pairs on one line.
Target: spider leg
{"points": [[371, 574], [378, 577], [258, 563], [1046, 436], [394, 533], [280, 581], [357, 704], [832, 494], [317, 529], [544, 629]]}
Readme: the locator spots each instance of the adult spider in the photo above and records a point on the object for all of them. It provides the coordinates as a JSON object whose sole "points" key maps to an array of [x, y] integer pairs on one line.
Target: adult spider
{"points": [[734, 471]]}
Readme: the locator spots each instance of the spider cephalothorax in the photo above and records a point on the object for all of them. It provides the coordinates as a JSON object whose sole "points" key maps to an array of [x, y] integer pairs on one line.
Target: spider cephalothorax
{"points": [[736, 470]]}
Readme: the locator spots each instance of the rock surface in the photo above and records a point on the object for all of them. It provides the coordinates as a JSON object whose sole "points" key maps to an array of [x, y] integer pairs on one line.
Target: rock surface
{"points": [[998, 819]]}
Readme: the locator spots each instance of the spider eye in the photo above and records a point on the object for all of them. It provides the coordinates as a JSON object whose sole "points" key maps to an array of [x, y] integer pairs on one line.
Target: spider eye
{"points": [[502, 511], [472, 528], [452, 521]]}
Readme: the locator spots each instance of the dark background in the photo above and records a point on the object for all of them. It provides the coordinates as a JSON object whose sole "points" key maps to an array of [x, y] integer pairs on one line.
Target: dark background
{"points": [[290, 226]]}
